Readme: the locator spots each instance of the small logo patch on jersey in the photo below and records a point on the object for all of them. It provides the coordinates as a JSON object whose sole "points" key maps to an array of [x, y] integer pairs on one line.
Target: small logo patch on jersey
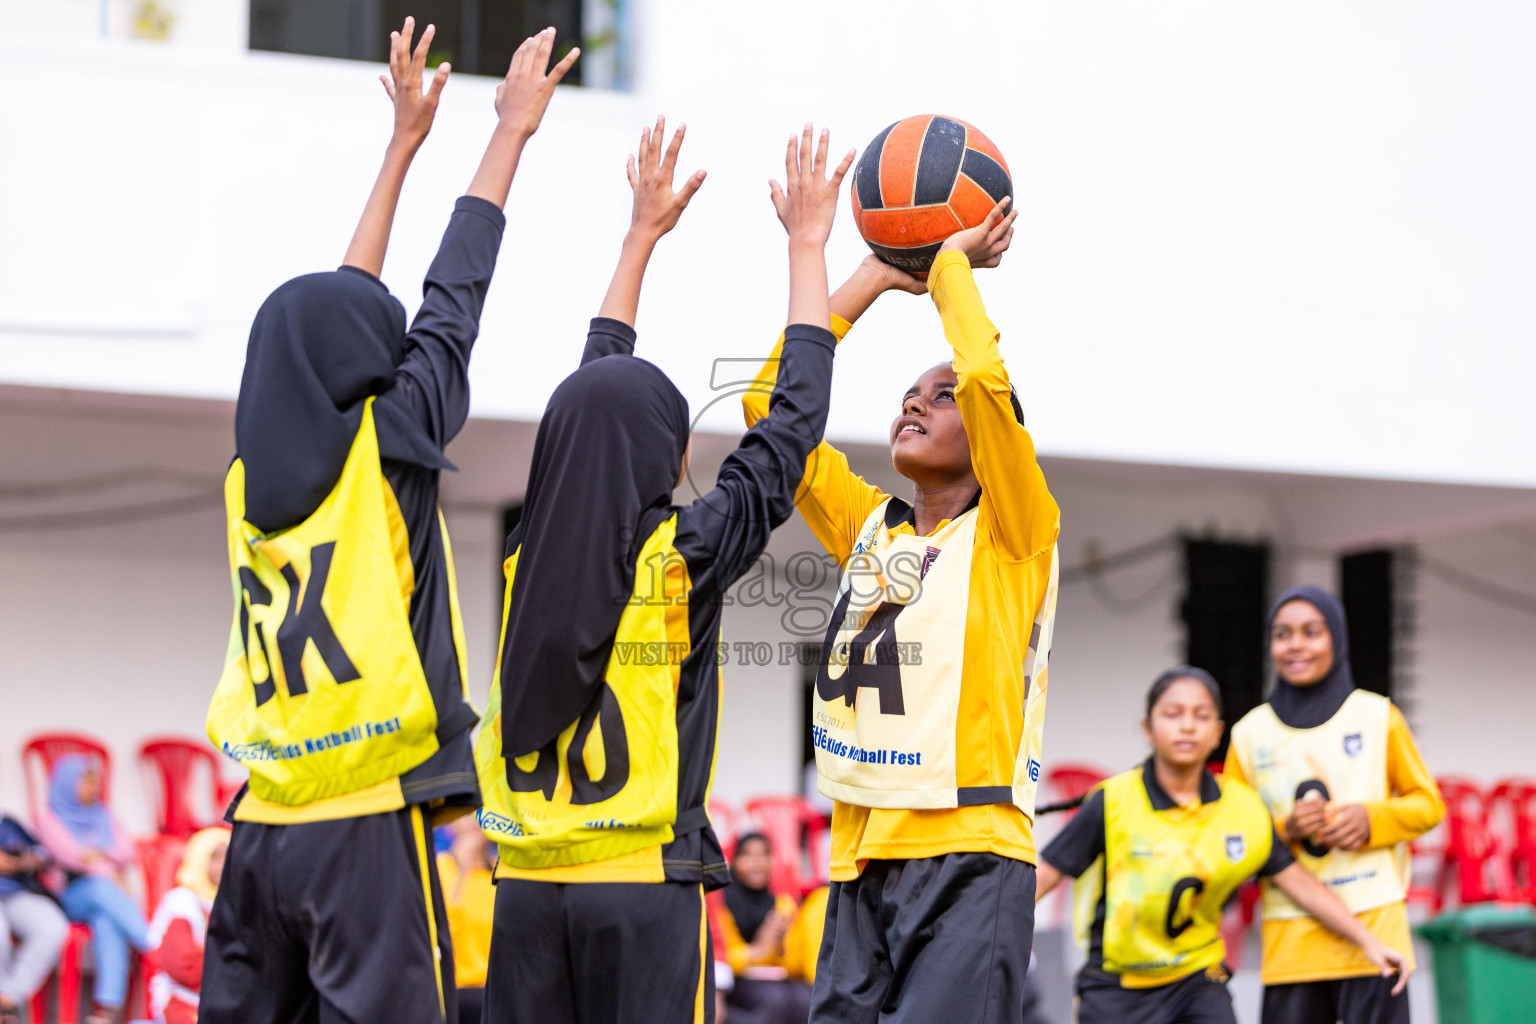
{"points": [[1353, 744], [928, 560], [1236, 847]]}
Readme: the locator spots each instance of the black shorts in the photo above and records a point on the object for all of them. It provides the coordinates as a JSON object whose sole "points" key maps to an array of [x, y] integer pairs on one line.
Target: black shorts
{"points": [[1201, 998], [941, 939], [599, 953], [329, 923], [1367, 1000]]}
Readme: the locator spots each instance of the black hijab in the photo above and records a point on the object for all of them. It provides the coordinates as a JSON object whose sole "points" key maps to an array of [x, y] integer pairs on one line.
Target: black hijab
{"points": [[320, 346], [1307, 707], [605, 460], [749, 907]]}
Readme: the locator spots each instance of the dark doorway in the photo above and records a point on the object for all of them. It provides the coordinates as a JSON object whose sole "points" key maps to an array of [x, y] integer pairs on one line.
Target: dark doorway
{"points": [[1226, 600]]}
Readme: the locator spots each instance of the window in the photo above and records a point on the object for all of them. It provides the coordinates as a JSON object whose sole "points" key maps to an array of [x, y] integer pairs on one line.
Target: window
{"points": [[1376, 592], [1225, 611], [475, 36]]}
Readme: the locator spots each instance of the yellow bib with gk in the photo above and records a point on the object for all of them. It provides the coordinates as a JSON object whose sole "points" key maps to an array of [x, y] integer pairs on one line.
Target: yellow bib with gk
{"points": [[323, 691], [1167, 875], [607, 785], [1344, 760]]}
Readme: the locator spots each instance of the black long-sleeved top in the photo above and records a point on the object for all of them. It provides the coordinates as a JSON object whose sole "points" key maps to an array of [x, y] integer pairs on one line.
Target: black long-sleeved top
{"points": [[719, 536], [432, 388]]}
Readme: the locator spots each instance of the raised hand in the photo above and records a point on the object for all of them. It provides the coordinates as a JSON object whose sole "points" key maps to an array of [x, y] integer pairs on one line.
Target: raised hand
{"points": [[657, 208], [807, 202], [414, 109], [985, 243], [524, 94]]}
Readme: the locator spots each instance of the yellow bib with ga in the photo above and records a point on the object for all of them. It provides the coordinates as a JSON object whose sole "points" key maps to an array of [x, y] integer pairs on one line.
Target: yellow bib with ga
{"points": [[607, 785], [1344, 760], [323, 691], [885, 715], [1168, 875]]}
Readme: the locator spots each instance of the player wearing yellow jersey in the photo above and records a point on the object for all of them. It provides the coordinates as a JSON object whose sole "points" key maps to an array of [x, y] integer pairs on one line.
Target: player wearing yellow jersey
{"points": [[344, 687], [598, 748], [933, 760], [1158, 851], [1340, 772]]}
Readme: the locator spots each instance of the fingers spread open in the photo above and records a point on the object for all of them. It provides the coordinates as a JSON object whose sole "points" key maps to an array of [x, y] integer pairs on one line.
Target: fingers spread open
{"points": [[565, 65], [419, 57], [820, 166], [791, 160], [643, 157], [995, 215], [691, 186], [669, 162], [658, 135], [776, 193], [842, 168], [807, 149], [546, 43], [520, 57], [630, 173], [439, 80]]}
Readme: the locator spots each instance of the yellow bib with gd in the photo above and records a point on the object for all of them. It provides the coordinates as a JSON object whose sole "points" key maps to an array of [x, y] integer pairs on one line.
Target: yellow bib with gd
{"points": [[323, 691], [1168, 874], [607, 785], [1344, 760]]}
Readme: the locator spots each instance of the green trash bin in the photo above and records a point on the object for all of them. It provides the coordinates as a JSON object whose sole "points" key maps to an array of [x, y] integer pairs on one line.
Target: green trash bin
{"points": [[1485, 964]]}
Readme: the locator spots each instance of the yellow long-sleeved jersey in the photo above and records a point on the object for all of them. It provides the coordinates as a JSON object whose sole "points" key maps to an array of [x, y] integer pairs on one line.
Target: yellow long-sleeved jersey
{"points": [[1012, 558], [1301, 949]]}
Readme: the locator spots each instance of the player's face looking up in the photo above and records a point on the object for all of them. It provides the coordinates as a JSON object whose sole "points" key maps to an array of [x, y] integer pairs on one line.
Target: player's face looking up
{"points": [[928, 441], [753, 865], [1184, 725], [1300, 644]]}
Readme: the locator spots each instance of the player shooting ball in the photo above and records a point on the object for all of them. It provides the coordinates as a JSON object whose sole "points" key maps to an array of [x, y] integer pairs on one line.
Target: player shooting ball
{"points": [[933, 763]]}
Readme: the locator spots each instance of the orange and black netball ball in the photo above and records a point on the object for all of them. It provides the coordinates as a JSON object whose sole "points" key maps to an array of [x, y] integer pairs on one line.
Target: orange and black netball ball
{"points": [[920, 181]]}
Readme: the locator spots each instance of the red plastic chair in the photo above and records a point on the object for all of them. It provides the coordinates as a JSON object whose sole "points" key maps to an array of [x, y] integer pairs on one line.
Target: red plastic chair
{"points": [[1070, 781], [728, 822], [159, 860], [1474, 856], [785, 820], [42, 752], [169, 765], [1512, 812]]}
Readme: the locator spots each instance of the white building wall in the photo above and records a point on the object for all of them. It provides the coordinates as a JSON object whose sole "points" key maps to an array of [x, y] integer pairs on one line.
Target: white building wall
{"points": [[1293, 238]]}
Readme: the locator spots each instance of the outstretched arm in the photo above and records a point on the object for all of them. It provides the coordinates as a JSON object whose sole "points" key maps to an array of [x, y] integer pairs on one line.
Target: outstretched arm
{"points": [[656, 212], [414, 111], [433, 379], [755, 489], [834, 501], [1312, 896], [521, 100], [1015, 501]]}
